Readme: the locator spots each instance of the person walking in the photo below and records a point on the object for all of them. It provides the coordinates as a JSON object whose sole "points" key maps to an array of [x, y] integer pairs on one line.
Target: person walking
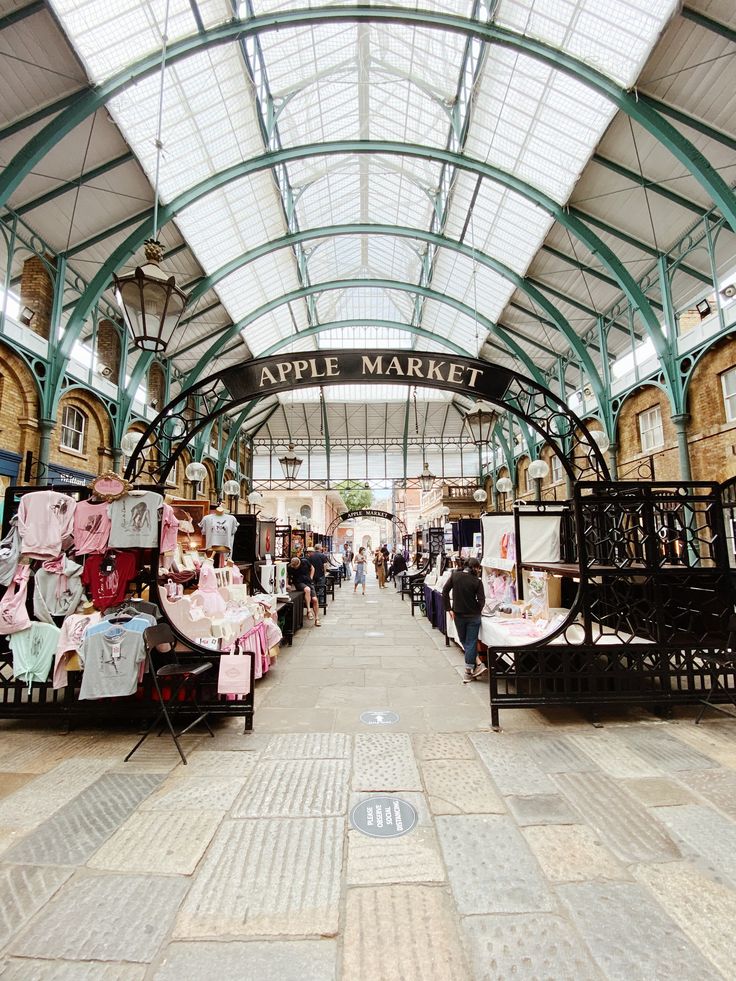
{"points": [[468, 599], [347, 561], [380, 563], [360, 564]]}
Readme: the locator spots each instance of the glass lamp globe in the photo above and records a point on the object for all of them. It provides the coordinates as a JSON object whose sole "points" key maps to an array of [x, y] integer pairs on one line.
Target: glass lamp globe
{"points": [[538, 469], [601, 439], [504, 485], [231, 488], [129, 442], [480, 495], [196, 472], [255, 497]]}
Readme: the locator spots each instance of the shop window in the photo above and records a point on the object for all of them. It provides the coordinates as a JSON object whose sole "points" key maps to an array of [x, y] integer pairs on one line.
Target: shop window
{"points": [[73, 426], [650, 429], [528, 483], [556, 469], [728, 384]]}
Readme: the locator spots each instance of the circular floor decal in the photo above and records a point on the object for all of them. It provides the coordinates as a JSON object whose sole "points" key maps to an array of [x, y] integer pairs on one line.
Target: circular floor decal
{"points": [[386, 718], [383, 817]]}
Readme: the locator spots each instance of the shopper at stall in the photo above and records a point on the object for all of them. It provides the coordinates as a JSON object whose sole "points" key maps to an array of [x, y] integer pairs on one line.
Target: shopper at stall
{"points": [[361, 560], [397, 566], [301, 574], [465, 586]]}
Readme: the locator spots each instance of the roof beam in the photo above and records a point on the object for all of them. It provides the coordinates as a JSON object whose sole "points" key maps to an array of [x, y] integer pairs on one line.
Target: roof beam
{"points": [[85, 178], [699, 125], [144, 216], [631, 175], [577, 264], [640, 110], [709, 24], [44, 112], [21, 13]]}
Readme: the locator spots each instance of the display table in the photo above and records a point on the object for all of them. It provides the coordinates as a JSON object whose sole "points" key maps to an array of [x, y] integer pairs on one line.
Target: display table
{"points": [[290, 617]]}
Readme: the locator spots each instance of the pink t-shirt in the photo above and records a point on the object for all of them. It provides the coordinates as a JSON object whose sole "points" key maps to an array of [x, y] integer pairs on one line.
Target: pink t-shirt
{"points": [[169, 529], [44, 519], [91, 527]]}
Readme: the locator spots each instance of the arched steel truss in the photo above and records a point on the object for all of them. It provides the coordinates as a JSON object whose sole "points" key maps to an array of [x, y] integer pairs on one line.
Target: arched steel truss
{"points": [[165, 439], [366, 513]]}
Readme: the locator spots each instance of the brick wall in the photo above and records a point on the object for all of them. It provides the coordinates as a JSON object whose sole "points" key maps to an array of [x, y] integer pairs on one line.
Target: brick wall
{"points": [[666, 459], [156, 386], [18, 405], [712, 440], [108, 349], [97, 452], [37, 293]]}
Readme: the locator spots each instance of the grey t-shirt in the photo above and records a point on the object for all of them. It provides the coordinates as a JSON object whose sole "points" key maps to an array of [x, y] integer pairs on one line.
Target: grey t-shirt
{"points": [[111, 656], [135, 520], [219, 529]]}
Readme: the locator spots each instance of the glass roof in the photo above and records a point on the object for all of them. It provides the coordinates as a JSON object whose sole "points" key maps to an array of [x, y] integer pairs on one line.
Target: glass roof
{"points": [[306, 86]]}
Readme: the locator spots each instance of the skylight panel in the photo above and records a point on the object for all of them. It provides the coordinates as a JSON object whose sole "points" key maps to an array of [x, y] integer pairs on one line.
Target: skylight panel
{"points": [[365, 338], [369, 394]]}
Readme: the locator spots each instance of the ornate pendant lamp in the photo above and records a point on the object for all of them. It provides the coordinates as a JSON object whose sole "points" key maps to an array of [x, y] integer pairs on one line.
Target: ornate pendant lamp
{"points": [[290, 463], [426, 478]]}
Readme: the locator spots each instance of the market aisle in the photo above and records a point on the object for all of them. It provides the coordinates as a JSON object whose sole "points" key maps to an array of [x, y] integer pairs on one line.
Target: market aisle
{"points": [[550, 850]]}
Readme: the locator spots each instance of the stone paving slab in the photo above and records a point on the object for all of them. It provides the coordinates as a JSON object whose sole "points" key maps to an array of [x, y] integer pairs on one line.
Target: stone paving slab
{"points": [[527, 946], [316, 745], [275, 960], [490, 866], [512, 769], [444, 746], [386, 861], [630, 831], [185, 793], [170, 844], [704, 832], [286, 697], [37, 801], [556, 754], [668, 754], [267, 878], [630, 936], [717, 786], [612, 754], [10, 782], [78, 828], [541, 809], [710, 739], [362, 699], [659, 791], [104, 918], [572, 853], [225, 763], [398, 933], [384, 761], [29, 969], [23, 891], [704, 909], [295, 788], [460, 787], [294, 720]]}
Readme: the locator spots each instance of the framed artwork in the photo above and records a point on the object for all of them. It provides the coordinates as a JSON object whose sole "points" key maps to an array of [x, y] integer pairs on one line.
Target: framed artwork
{"points": [[189, 514], [266, 538]]}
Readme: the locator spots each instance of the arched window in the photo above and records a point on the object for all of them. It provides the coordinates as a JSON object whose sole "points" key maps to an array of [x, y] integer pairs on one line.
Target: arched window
{"points": [[73, 429]]}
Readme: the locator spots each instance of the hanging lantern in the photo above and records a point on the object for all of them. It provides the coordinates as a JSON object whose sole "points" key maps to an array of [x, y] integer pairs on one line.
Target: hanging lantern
{"points": [[426, 478], [129, 442], [480, 420], [290, 463], [150, 301], [231, 488], [479, 495], [196, 472]]}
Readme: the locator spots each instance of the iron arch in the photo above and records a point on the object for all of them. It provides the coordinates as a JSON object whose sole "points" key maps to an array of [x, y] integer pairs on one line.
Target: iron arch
{"points": [[258, 378], [366, 513]]}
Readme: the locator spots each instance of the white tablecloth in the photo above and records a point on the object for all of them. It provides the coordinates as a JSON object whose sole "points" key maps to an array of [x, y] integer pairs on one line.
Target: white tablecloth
{"points": [[497, 632]]}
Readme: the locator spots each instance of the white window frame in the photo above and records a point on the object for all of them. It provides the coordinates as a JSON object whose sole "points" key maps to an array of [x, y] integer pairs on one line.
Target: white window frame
{"points": [[556, 474], [72, 438], [528, 482], [651, 430], [728, 380]]}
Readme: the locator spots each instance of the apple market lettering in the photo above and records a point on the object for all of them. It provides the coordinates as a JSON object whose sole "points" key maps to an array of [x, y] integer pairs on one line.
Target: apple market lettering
{"points": [[308, 370]]}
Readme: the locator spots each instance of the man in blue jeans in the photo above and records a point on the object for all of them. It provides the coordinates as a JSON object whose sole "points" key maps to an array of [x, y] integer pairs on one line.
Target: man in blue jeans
{"points": [[465, 608]]}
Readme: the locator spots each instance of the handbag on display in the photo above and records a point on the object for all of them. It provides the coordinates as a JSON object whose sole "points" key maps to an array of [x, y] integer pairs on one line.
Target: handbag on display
{"points": [[234, 674]]}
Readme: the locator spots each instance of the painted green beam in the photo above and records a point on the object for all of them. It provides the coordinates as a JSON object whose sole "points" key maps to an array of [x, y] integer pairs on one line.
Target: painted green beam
{"points": [[660, 189], [145, 216], [699, 125], [38, 115], [715, 26], [85, 178], [21, 13], [531, 289], [387, 284], [640, 110], [577, 264]]}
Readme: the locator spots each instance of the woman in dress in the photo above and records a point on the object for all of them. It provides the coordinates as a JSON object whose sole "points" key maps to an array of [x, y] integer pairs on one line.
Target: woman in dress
{"points": [[360, 563]]}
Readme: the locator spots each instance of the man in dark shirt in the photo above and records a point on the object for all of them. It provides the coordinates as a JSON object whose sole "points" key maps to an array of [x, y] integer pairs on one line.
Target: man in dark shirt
{"points": [[318, 560], [301, 574], [468, 600]]}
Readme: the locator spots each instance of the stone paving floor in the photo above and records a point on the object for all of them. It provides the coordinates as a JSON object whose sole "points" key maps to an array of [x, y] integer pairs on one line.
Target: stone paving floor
{"points": [[552, 850]]}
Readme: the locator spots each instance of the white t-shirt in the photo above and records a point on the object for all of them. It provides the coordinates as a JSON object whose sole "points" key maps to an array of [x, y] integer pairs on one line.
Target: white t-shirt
{"points": [[219, 529], [135, 520]]}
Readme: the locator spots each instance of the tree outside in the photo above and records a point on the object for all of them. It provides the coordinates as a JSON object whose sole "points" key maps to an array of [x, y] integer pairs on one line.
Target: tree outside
{"points": [[356, 496]]}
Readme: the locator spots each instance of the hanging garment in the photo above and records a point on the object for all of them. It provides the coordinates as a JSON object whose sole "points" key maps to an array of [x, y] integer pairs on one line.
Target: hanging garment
{"points": [[33, 652], [169, 529], [207, 595], [112, 655], [91, 527], [108, 588], [71, 636], [254, 642], [219, 529], [9, 553], [135, 520], [58, 590], [13, 612], [45, 519]]}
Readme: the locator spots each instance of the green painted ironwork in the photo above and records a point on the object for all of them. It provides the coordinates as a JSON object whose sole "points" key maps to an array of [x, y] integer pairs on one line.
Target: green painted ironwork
{"points": [[84, 178]]}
